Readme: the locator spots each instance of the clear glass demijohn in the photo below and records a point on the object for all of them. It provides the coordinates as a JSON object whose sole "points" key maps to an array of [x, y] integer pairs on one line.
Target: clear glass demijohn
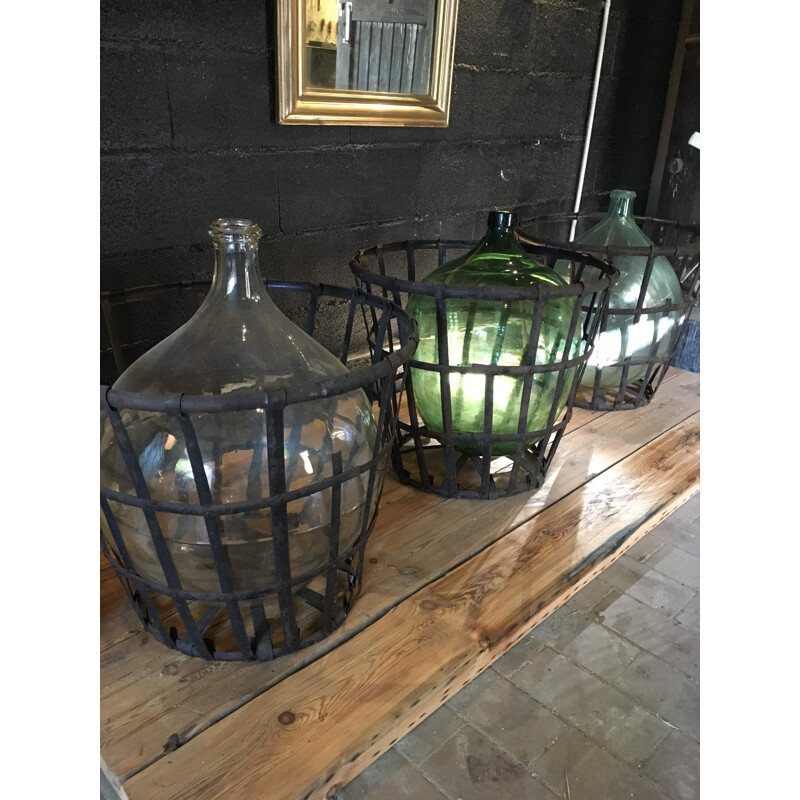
{"points": [[492, 332], [624, 338], [237, 341]]}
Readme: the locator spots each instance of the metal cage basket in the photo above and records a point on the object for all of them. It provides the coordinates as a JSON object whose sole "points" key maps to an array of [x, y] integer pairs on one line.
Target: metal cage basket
{"points": [[296, 610], [454, 464], [680, 244]]}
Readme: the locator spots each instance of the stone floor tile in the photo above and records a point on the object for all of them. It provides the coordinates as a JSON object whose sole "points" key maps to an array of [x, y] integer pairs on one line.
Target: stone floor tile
{"points": [[562, 626], [690, 613], [419, 743], [680, 534], [599, 776], [676, 766], [613, 720], [601, 652], [661, 593], [606, 688], [597, 709], [644, 548], [565, 754], [470, 767], [651, 630], [550, 676], [508, 716], [623, 573], [519, 655], [678, 565], [591, 594], [688, 512], [663, 690], [389, 778]]}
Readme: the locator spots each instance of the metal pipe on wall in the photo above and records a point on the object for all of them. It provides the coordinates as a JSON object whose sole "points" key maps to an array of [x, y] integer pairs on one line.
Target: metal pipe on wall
{"points": [[592, 104]]}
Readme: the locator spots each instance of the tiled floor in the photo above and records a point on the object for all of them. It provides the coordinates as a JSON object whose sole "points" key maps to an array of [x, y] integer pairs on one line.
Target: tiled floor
{"points": [[599, 702]]}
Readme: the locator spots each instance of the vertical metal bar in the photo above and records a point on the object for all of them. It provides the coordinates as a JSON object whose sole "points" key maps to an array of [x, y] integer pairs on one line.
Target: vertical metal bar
{"points": [[128, 564], [411, 258], [528, 360], [648, 271], [348, 333], [312, 310], [543, 455], [162, 551], [261, 633], [467, 343], [413, 420], [254, 487], [450, 481], [488, 415], [386, 388], [218, 549], [280, 524], [380, 337], [328, 620]]}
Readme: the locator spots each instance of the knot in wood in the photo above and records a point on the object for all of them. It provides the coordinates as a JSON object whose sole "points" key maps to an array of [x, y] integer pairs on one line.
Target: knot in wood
{"points": [[429, 605], [373, 561], [286, 718]]}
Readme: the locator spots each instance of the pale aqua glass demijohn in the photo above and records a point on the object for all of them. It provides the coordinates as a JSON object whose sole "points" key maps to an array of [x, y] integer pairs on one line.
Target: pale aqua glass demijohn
{"points": [[624, 338]]}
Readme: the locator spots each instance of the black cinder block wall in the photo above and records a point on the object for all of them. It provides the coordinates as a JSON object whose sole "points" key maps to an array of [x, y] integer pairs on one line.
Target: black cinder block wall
{"points": [[188, 134]]}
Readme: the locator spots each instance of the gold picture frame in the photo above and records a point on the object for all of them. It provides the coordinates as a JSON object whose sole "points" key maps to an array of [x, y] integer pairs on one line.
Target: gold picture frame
{"points": [[300, 104]]}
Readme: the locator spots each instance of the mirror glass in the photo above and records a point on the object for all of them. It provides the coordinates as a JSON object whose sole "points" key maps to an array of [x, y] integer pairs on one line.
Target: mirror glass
{"points": [[370, 45]]}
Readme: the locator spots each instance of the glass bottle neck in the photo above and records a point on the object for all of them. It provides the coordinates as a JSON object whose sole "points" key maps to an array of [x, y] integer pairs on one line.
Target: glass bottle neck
{"points": [[620, 204], [501, 239], [237, 278]]}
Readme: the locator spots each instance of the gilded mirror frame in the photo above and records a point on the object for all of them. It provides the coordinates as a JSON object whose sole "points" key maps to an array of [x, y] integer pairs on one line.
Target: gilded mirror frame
{"points": [[299, 104]]}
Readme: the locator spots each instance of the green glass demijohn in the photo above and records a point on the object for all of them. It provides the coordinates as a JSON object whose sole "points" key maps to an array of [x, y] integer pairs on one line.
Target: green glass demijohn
{"points": [[491, 332], [623, 338], [238, 341]]}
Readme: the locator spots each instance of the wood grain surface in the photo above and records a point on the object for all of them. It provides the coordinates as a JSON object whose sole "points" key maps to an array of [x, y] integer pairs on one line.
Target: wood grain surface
{"points": [[615, 477]]}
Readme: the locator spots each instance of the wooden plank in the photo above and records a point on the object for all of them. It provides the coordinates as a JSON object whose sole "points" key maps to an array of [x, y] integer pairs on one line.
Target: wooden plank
{"points": [[316, 730], [361, 44], [418, 538], [384, 70], [424, 54], [408, 58], [398, 43], [376, 37]]}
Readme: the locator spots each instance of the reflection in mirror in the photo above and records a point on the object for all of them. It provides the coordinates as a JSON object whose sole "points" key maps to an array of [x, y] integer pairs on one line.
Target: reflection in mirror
{"points": [[370, 45], [365, 62]]}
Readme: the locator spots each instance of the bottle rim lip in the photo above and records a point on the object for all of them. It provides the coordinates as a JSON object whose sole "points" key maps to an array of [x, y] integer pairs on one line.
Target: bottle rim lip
{"points": [[627, 194], [234, 227], [499, 217]]}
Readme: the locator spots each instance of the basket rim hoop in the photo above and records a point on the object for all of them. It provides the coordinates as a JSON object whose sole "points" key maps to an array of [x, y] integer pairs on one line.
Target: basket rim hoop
{"points": [[248, 400], [609, 251], [438, 290]]}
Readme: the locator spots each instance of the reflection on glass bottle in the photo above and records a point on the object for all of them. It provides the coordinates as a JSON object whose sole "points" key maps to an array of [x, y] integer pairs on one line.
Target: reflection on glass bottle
{"points": [[624, 338], [238, 341], [492, 332]]}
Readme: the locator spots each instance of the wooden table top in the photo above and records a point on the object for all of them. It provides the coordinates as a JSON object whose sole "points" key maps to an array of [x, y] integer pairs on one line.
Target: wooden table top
{"points": [[449, 586]]}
